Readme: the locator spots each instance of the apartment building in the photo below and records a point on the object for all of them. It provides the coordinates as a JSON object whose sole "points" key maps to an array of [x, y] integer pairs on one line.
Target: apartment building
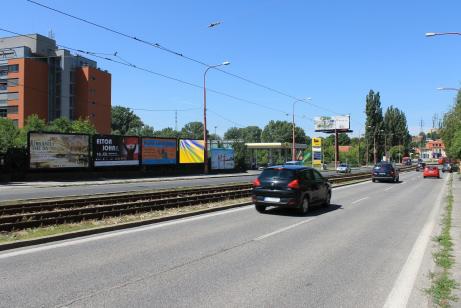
{"points": [[38, 77]]}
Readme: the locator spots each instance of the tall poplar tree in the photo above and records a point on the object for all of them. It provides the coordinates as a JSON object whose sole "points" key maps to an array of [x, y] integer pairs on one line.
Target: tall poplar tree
{"points": [[374, 125]]}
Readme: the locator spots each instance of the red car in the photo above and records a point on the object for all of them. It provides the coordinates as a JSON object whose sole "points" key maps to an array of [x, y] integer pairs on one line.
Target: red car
{"points": [[432, 171]]}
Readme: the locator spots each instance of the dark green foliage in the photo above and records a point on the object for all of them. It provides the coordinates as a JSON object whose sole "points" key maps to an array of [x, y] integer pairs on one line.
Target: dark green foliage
{"points": [[124, 119], [193, 130]]}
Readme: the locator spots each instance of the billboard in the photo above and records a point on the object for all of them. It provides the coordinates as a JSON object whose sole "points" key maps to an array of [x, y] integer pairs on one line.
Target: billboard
{"points": [[49, 150], [317, 155], [158, 151], [112, 150], [332, 123], [191, 151], [222, 159]]}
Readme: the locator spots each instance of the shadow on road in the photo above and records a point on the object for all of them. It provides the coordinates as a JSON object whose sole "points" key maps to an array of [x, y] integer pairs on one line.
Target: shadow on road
{"points": [[313, 211]]}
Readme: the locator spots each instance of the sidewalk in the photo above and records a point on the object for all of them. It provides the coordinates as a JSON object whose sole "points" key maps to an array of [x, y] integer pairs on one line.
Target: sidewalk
{"points": [[456, 233], [123, 181]]}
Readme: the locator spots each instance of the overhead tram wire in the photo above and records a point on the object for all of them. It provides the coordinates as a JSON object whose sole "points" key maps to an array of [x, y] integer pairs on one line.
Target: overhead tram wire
{"points": [[159, 46], [89, 53]]}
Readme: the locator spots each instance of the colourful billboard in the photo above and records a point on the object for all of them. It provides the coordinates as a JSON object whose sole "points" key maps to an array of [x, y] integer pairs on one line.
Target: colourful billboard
{"points": [[49, 150], [191, 151], [112, 150], [158, 151], [222, 159]]}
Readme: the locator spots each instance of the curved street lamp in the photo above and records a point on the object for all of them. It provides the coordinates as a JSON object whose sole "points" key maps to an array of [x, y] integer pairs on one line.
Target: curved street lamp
{"points": [[205, 140], [293, 150]]}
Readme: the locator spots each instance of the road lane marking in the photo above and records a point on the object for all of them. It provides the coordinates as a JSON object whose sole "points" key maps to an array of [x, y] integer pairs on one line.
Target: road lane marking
{"points": [[389, 188], [282, 229], [118, 233], [357, 201], [403, 286]]}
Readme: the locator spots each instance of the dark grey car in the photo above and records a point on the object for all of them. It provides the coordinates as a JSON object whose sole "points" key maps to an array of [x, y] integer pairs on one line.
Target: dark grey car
{"points": [[292, 186]]}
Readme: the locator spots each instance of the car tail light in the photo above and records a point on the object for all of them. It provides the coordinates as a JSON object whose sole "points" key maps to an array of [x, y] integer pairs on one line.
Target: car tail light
{"points": [[294, 184], [256, 183]]}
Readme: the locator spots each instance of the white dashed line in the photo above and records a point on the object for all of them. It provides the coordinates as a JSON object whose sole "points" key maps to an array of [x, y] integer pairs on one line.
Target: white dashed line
{"points": [[283, 229], [357, 201], [389, 188]]}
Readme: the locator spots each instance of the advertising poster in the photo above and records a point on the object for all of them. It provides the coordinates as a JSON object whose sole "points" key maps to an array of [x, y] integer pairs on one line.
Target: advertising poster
{"points": [[191, 151], [317, 155], [112, 150], [156, 151], [222, 159], [58, 151], [332, 123]]}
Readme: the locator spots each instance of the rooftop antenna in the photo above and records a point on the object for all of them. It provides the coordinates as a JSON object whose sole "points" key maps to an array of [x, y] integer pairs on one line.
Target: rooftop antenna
{"points": [[51, 34]]}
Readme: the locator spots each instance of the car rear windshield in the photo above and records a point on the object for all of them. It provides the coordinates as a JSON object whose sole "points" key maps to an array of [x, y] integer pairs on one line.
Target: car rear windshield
{"points": [[278, 173], [383, 167]]}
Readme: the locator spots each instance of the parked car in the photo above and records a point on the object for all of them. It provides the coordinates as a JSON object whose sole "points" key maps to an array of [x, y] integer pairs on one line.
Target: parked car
{"points": [[420, 166], [385, 172], [431, 171], [343, 168], [290, 186], [447, 168]]}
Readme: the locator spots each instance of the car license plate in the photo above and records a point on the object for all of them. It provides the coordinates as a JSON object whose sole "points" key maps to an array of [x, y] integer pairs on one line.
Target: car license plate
{"points": [[271, 199], [382, 173]]}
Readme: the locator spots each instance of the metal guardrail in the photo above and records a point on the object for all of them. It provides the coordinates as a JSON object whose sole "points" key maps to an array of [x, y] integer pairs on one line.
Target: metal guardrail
{"points": [[43, 212]]}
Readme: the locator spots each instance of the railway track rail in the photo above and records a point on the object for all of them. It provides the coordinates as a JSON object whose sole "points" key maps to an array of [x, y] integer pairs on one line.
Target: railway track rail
{"points": [[44, 212]]}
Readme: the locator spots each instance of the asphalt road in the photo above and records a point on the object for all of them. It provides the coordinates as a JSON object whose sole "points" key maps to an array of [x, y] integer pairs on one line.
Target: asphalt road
{"points": [[31, 190], [350, 255]]}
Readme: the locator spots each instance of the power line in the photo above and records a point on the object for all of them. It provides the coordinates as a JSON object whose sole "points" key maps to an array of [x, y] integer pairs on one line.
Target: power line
{"points": [[171, 51]]}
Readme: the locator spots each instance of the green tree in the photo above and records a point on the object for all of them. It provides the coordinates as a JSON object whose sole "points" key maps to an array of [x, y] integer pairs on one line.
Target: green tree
{"points": [[282, 131], [240, 152], [124, 120], [83, 126], [251, 134], [193, 130], [233, 133], [32, 124], [167, 132], [60, 125], [374, 124], [344, 139], [8, 135], [451, 126], [144, 131]]}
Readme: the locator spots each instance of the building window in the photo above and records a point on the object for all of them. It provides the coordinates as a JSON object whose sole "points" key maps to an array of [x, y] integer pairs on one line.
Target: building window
{"points": [[3, 85], [14, 68], [3, 102], [3, 112], [13, 96], [93, 78], [12, 109], [13, 82]]}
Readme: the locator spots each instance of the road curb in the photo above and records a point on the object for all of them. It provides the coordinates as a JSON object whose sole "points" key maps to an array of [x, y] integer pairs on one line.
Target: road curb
{"points": [[81, 233]]}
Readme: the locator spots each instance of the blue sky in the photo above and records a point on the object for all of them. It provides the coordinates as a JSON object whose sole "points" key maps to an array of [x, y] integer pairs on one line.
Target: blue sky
{"points": [[332, 51]]}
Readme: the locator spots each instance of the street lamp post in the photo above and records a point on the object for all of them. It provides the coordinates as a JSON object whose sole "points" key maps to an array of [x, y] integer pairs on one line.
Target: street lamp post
{"points": [[448, 89], [205, 139], [293, 149]]}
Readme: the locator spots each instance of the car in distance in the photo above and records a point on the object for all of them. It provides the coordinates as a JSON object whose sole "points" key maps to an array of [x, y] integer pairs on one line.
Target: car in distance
{"points": [[447, 168], [420, 166], [431, 171], [385, 172], [290, 186], [343, 168]]}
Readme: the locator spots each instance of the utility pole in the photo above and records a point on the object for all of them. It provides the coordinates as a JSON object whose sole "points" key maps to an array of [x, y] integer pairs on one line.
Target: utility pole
{"points": [[176, 120]]}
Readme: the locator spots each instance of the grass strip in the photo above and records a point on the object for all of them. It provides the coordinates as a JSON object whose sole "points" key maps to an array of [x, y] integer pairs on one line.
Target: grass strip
{"points": [[33, 233], [441, 290]]}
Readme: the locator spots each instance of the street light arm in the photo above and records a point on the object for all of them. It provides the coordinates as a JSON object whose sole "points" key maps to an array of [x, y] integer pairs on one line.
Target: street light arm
{"points": [[293, 154], [430, 34]]}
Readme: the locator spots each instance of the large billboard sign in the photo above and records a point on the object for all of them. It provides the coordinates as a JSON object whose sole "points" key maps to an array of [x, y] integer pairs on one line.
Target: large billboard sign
{"points": [[191, 151], [49, 150], [332, 123], [112, 150], [158, 151], [222, 159]]}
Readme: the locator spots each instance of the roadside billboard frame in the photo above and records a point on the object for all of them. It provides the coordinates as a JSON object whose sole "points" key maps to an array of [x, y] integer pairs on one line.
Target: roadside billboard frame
{"points": [[160, 164], [90, 157], [95, 137]]}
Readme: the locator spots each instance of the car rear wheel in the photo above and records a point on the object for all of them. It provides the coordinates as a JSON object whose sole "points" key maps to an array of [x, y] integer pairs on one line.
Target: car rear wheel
{"points": [[260, 208], [327, 200], [304, 206], [373, 180]]}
